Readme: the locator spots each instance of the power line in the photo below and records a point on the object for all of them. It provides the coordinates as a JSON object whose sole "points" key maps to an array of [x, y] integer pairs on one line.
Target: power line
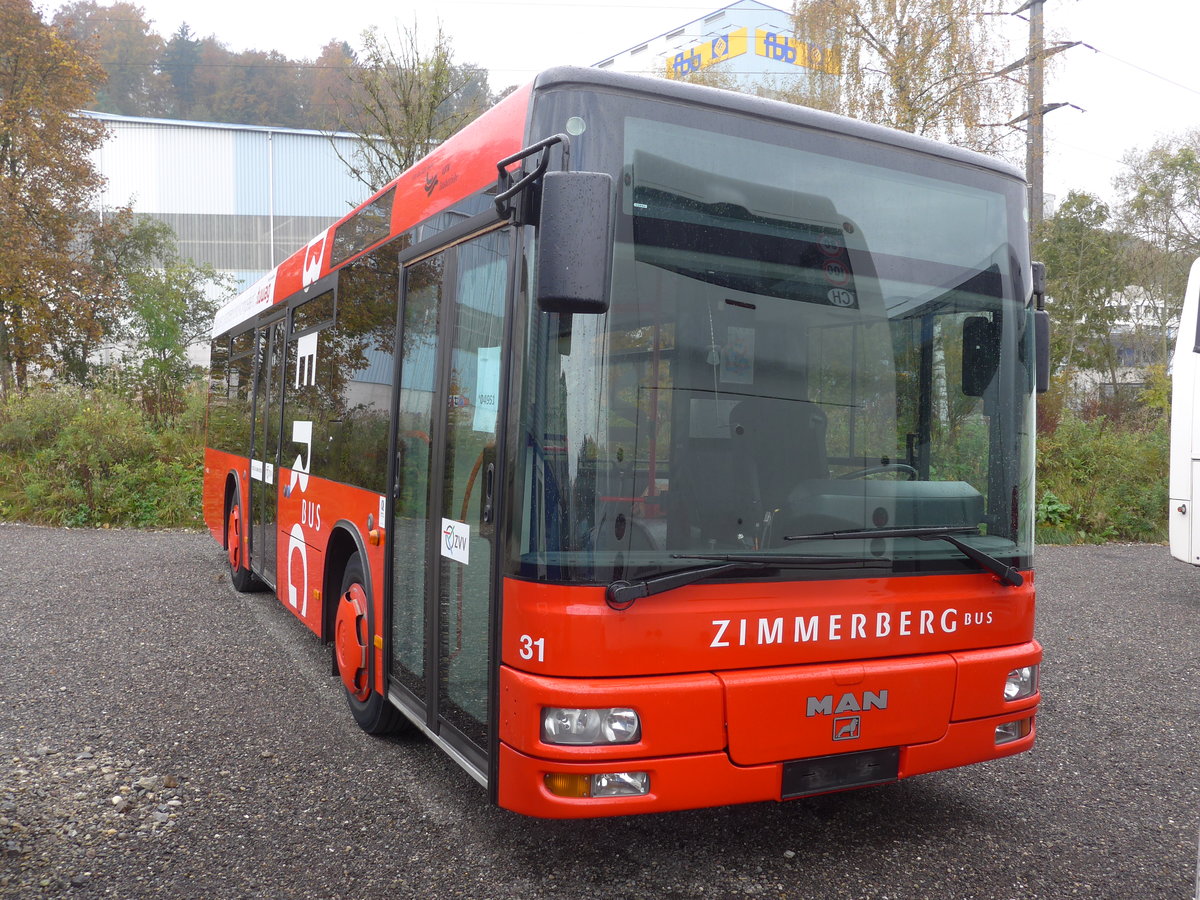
{"points": [[1141, 69]]}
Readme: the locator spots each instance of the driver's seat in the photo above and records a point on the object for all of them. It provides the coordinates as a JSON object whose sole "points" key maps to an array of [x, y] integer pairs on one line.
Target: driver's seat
{"points": [[784, 442]]}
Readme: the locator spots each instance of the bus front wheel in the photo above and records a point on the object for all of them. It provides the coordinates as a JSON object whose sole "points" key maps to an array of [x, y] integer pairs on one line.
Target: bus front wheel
{"points": [[353, 651], [239, 573]]}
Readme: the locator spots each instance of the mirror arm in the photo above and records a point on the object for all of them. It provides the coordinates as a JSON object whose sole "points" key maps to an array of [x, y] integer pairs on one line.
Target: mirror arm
{"points": [[506, 188]]}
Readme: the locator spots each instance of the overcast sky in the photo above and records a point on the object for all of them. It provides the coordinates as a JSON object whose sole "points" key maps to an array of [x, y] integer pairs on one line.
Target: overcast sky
{"points": [[1142, 81]]}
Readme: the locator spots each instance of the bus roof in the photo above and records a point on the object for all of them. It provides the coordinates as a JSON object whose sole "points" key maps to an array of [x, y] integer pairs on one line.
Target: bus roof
{"points": [[466, 163]]}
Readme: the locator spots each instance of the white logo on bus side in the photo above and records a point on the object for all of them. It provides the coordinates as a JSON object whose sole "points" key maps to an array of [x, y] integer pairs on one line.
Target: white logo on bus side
{"points": [[296, 545], [310, 515], [301, 434], [313, 256], [306, 360]]}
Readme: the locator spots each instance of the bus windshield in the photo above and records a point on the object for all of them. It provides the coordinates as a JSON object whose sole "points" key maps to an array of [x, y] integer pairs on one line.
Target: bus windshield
{"points": [[807, 336]]}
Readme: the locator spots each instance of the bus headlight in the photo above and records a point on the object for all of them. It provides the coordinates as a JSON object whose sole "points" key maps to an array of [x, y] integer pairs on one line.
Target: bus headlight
{"points": [[608, 784], [620, 784], [1021, 683], [614, 725], [1013, 731]]}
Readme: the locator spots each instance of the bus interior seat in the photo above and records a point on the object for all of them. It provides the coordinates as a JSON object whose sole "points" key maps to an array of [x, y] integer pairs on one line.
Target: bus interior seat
{"points": [[721, 504], [784, 441]]}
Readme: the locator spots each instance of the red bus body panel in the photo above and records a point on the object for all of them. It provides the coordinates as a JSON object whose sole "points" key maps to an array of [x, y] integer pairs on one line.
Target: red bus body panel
{"points": [[712, 627], [712, 779], [458, 169], [731, 681], [778, 672], [462, 166]]}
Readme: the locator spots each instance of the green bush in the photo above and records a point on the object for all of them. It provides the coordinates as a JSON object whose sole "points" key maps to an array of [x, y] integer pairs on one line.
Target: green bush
{"points": [[78, 457], [91, 458], [1097, 482]]}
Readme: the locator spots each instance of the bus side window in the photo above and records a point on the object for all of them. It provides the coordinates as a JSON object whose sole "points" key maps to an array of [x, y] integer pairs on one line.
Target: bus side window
{"points": [[229, 426], [306, 381], [218, 391], [340, 360]]}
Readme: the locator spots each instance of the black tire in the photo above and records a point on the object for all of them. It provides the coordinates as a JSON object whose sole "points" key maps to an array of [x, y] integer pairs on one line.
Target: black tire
{"points": [[240, 576], [375, 715]]}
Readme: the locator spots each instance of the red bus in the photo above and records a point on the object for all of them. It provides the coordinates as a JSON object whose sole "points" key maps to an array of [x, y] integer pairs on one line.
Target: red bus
{"points": [[649, 447]]}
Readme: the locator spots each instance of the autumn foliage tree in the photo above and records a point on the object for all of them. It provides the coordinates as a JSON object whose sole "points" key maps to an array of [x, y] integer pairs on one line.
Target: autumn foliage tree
{"points": [[47, 186], [929, 67], [404, 100], [120, 40]]}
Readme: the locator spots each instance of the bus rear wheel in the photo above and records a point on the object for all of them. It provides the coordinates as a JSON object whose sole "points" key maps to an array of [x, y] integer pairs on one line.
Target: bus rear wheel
{"points": [[239, 573], [353, 649]]}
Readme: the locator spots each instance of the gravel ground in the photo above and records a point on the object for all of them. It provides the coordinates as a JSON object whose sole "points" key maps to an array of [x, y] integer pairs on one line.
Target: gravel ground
{"points": [[163, 736]]}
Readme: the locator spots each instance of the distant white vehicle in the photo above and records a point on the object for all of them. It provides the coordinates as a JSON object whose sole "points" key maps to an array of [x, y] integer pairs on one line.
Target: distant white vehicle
{"points": [[1185, 427]]}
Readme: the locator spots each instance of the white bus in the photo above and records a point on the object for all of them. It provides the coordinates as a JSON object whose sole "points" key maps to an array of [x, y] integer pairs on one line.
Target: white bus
{"points": [[1185, 433]]}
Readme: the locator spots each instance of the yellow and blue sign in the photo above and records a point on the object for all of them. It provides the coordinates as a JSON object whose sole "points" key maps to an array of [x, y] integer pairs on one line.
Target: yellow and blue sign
{"points": [[707, 53], [784, 48], [772, 45]]}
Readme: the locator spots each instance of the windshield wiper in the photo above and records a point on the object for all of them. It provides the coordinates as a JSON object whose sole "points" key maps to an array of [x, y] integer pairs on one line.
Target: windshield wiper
{"points": [[1007, 574], [621, 594]]}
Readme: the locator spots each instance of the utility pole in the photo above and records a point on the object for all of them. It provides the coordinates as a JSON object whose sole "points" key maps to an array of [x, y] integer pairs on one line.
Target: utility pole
{"points": [[1036, 108], [1034, 141]]}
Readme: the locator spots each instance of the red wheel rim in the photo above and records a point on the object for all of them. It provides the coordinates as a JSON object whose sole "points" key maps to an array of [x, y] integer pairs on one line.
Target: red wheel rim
{"points": [[351, 642], [235, 539]]}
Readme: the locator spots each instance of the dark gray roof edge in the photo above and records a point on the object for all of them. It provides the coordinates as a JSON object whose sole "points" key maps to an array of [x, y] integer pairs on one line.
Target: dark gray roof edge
{"points": [[562, 76]]}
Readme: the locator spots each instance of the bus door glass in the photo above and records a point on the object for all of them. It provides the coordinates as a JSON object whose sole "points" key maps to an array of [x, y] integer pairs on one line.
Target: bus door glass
{"points": [[264, 458], [444, 525]]}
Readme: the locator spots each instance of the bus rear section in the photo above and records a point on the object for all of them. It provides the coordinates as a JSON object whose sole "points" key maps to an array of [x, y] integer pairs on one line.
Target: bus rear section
{"points": [[682, 458]]}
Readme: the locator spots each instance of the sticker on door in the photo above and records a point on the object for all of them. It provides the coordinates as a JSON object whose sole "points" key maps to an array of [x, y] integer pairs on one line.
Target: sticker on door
{"points": [[456, 541]]}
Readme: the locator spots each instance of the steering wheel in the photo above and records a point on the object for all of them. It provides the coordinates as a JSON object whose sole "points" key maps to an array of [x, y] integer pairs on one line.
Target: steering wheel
{"points": [[885, 467]]}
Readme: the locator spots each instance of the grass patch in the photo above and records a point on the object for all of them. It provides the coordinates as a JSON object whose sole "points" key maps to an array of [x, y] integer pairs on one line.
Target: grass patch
{"points": [[1099, 482], [76, 457]]}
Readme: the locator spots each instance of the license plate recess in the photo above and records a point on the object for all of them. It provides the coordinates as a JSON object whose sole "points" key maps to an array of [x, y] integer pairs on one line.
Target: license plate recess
{"points": [[821, 774]]}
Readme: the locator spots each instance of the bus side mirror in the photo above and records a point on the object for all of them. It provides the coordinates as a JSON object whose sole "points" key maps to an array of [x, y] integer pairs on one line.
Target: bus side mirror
{"points": [[1041, 327], [1041, 337], [575, 238]]}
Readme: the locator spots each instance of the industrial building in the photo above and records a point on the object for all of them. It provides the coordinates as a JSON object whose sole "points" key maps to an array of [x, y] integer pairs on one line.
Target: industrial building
{"points": [[241, 198], [752, 43]]}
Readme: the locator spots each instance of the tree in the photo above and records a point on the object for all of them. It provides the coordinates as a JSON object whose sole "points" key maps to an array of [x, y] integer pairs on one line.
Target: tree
{"points": [[403, 102], [178, 62], [119, 38], [1161, 194], [1085, 271], [47, 183], [1160, 207], [171, 304], [327, 81], [929, 67]]}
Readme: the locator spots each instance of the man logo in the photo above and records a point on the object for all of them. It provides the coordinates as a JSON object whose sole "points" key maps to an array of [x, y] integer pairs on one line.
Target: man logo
{"points": [[850, 702], [847, 728]]}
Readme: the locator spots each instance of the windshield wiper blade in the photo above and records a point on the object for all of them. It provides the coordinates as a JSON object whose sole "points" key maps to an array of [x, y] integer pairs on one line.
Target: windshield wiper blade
{"points": [[621, 594], [1005, 573], [776, 561]]}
